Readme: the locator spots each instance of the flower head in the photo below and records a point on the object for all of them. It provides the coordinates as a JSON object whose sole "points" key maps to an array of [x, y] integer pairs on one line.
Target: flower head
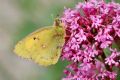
{"points": [[91, 27]]}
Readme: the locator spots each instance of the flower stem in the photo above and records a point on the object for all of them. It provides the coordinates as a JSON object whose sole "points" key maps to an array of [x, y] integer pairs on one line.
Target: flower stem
{"points": [[106, 66]]}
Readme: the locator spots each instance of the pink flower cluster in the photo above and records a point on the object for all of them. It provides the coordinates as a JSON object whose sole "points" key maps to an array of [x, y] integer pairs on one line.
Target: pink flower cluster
{"points": [[92, 28]]}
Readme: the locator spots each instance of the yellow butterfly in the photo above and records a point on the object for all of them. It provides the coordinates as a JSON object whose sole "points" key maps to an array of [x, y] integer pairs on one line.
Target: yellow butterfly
{"points": [[42, 46]]}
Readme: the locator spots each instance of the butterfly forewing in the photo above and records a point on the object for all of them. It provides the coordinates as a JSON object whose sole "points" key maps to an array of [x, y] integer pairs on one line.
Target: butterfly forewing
{"points": [[42, 46]]}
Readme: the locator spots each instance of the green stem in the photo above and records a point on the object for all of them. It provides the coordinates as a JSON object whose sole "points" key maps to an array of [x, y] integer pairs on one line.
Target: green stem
{"points": [[103, 56], [117, 41]]}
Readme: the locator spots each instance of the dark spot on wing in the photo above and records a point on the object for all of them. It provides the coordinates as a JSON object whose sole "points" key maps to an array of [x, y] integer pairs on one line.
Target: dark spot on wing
{"points": [[35, 38]]}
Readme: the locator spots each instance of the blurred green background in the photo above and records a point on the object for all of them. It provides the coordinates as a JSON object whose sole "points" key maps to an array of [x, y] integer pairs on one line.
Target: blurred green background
{"points": [[18, 18]]}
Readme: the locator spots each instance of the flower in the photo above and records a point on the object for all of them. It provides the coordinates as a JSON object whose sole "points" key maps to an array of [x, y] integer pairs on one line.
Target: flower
{"points": [[113, 58], [96, 20], [91, 27]]}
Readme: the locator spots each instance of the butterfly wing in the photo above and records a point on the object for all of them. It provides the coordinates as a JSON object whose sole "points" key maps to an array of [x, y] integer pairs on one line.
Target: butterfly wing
{"points": [[43, 46]]}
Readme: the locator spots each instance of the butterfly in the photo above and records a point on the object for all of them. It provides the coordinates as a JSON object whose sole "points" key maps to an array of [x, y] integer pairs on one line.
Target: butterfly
{"points": [[43, 46]]}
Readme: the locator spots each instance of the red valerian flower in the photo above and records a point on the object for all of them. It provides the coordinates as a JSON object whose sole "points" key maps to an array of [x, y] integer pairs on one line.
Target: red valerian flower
{"points": [[91, 27]]}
